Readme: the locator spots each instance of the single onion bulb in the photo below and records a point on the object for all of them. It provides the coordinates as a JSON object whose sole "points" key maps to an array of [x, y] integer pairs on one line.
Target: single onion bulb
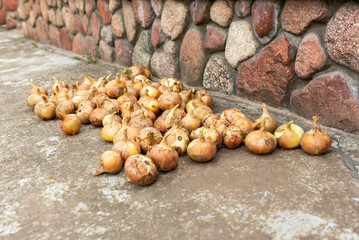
{"points": [[270, 123], [232, 137], [164, 156], [260, 141], [315, 141], [288, 135], [141, 170], [110, 162], [201, 149], [70, 124]]}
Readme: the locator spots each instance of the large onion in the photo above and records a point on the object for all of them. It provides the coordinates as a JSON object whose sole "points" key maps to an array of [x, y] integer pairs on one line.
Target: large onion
{"points": [[164, 156], [110, 162], [201, 149], [260, 141], [141, 169]]}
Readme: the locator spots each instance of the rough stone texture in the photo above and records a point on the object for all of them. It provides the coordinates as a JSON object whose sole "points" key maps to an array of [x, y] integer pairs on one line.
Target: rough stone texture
{"points": [[105, 13], [69, 20], [59, 18], [215, 39], [72, 6], [90, 6], [143, 12], [113, 5], [117, 25], [78, 25], [95, 27], [173, 18], [89, 47], [297, 15], [221, 12], [241, 43], [54, 35], [157, 36], [13, 15], [27, 9], [130, 20], [165, 64], [32, 18], [86, 25], [142, 51], [52, 16], [59, 4], [24, 26], [106, 35], [51, 3], [65, 39], [218, 75], [80, 5], [0, 4], [330, 97], [192, 58], [106, 52], [42, 31], [242, 8], [2, 16], [20, 10], [200, 11], [157, 6], [77, 44], [44, 10], [123, 52], [33, 35], [310, 56], [10, 5], [11, 23], [267, 76], [342, 36], [264, 19]]}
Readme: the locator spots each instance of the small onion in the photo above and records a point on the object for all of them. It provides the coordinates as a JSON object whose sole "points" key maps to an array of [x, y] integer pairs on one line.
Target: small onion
{"points": [[270, 123], [169, 100], [164, 156], [110, 162], [177, 137], [190, 122], [70, 124], [245, 125], [141, 170], [232, 137], [45, 109], [208, 133], [98, 115], [126, 147], [109, 130], [84, 112], [231, 114], [205, 96], [288, 135], [35, 87], [316, 141], [260, 141], [210, 120], [201, 149], [64, 107], [111, 117], [35, 97], [148, 137]]}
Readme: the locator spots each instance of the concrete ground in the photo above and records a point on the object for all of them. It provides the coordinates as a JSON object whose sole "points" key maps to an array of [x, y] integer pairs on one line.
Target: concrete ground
{"points": [[47, 190]]}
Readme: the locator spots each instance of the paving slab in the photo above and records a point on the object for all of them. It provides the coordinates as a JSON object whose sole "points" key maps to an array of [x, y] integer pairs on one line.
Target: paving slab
{"points": [[47, 190]]}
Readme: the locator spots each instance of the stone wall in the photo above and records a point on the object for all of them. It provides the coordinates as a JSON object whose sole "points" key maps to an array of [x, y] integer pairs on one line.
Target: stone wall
{"points": [[8, 13], [301, 55]]}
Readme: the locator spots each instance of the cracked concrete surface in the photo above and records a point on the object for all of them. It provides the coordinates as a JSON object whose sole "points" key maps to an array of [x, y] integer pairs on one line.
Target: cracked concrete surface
{"points": [[47, 190]]}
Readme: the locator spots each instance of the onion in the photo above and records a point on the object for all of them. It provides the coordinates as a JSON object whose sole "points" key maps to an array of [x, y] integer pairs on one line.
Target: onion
{"points": [[111, 117], [169, 100], [115, 88], [245, 125], [64, 107], [109, 130], [205, 96], [221, 125], [197, 102], [45, 109], [164, 156], [35, 97], [84, 111], [210, 120], [35, 88], [110, 162], [316, 141], [150, 91], [188, 95], [208, 133], [190, 122], [201, 149], [173, 115], [141, 170], [70, 124], [86, 83], [177, 138], [288, 135], [232, 137], [148, 137], [201, 112], [270, 123], [231, 114], [127, 108], [144, 112], [132, 132], [140, 81], [98, 115], [127, 96], [139, 70], [151, 104], [260, 141], [126, 147], [59, 85], [171, 84], [141, 121], [100, 84]]}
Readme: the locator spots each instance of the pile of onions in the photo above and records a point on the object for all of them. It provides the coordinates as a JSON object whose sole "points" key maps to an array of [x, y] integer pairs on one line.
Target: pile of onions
{"points": [[163, 121]]}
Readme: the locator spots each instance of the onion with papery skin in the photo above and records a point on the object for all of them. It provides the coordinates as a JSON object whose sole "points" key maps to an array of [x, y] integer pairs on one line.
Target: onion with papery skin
{"points": [[144, 112], [126, 97], [232, 137], [58, 85], [288, 135], [127, 108], [209, 120], [139, 70], [98, 115], [140, 81], [34, 98], [260, 141], [231, 114], [84, 111], [190, 122], [197, 102], [64, 107], [45, 109], [140, 122], [131, 131], [150, 91], [115, 88], [42, 90], [205, 96], [86, 83], [109, 131], [271, 123], [110, 162], [109, 118], [245, 125], [208, 133], [315, 141], [141, 170], [178, 138], [171, 84], [201, 149], [188, 95], [221, 125], [201, 112], [164, 156], [169, 99], [148, 137], [173, 115], [126, 147], [156, 84], [70, 124]]}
